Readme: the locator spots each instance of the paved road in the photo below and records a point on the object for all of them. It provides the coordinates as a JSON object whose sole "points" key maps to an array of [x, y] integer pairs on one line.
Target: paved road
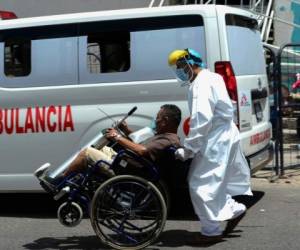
{"points": [[272, 222]]}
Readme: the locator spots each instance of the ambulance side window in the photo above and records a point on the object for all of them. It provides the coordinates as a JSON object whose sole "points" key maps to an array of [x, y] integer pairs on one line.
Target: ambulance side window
{"points": [[39, 56], [135, 49], [244, 45], [108, 52], [17, 58]]}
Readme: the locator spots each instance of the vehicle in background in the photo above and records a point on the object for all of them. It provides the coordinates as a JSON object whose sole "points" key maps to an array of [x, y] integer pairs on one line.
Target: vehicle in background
{"points": [[57, 72]]}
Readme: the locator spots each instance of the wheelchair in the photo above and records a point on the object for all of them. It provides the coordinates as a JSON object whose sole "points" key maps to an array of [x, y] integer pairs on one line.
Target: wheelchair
{"points": [[127, 211]]}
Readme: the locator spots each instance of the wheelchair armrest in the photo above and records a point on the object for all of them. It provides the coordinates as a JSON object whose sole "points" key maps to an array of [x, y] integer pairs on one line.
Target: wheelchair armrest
{"points": [[134, 155], [137, 162]]}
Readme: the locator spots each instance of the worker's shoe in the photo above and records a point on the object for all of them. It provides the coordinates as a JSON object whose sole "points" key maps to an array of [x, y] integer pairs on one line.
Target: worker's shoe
{"points": [[201, 239], [239, 211]]}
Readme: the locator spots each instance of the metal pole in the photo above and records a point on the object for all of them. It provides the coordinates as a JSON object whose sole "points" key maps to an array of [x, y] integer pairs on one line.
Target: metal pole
{"points": [[279, 110], [276, 90], [161, 3], [251, 4], [267, 34], [265, 22], [275, 94], [151, 3], [262, 5]]}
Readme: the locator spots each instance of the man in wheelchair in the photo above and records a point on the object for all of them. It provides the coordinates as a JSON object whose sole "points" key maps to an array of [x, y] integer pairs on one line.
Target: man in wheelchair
{"points": [[153, 149]]}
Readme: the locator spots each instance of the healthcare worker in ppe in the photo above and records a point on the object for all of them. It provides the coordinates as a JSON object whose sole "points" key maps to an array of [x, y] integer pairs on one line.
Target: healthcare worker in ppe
{"points": [[219, 169]]}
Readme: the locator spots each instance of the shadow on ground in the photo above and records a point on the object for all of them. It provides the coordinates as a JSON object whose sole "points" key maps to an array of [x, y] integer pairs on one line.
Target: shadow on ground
{"points": [[28, 205], [86, 242], [178, 238]]}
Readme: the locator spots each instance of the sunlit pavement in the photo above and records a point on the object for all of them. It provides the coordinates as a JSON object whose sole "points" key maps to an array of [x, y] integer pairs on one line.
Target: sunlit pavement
{"points": [[272, 222]]}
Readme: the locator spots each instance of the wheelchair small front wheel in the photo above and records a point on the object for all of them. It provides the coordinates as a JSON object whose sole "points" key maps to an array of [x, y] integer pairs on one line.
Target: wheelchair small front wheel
{"points": [[128, 212], [69, 214]]}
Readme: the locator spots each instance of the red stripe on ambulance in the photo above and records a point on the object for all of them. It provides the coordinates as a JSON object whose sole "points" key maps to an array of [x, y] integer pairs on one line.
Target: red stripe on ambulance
{"points": [[36, 119]]}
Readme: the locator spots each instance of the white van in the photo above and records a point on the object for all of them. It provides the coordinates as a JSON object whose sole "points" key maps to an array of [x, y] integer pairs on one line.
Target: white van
{"points": [[57, 71]]}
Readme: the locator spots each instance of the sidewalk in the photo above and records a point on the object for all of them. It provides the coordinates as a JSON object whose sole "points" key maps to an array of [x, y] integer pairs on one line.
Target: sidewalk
{"points": [[267, 177]]}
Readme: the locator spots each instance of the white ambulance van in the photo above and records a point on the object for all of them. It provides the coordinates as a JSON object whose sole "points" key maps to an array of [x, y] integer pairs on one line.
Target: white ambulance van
{"points": [[60, 74]]}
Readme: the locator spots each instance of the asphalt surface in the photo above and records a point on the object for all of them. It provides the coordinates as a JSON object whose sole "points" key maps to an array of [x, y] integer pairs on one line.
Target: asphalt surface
{"points": [[272, 222]]}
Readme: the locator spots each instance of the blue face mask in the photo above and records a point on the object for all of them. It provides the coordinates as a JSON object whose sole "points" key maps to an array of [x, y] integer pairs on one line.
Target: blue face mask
{"points": [[153, 125], [183, 76]]}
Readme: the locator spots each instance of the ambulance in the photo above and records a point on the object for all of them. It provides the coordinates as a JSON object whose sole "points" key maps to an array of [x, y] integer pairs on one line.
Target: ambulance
{"points": [[63, 78]]}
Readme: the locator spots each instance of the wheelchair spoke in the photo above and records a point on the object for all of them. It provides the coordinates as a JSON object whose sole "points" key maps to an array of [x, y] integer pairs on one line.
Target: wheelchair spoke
{"points": [[127, 225], [113, 227], [106, 212]]}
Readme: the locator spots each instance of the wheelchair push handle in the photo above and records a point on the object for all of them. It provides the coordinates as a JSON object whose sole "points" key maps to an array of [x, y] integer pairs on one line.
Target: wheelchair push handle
{"points": [[103, 141], [132, 111]]}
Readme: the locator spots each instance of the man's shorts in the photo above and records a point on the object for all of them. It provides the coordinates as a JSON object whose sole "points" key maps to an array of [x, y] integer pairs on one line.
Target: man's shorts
{"points": [[106, 154]]}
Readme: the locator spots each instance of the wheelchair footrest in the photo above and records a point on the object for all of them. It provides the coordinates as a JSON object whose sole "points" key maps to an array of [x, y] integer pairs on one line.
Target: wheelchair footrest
{"points": [[46, 187], [62, 192]]}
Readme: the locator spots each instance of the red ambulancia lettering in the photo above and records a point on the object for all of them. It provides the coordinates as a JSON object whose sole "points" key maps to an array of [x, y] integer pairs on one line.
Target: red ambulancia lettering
{"points": [[59, 118], [1, 125], [40, 114], [68, 122], [260, 137], [29, 121], [19, 129], [51, 126], [38, 119], [9, 125]]}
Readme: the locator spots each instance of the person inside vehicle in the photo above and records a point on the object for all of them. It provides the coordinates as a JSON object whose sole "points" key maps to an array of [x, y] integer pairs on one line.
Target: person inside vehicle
{"points": [[167, 121]]}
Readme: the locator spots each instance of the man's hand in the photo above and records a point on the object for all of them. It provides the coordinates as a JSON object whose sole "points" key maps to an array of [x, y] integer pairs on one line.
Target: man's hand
{"points": [[183, 154], [125, 129], [112, 134]]}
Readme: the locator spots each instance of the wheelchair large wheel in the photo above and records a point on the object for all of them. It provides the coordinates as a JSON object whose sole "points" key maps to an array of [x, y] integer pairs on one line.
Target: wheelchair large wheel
{"points": [[128, 212]]}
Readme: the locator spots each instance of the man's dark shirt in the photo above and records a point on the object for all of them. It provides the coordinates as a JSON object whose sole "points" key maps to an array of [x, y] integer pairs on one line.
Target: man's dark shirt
{"points": [[157, 144]]}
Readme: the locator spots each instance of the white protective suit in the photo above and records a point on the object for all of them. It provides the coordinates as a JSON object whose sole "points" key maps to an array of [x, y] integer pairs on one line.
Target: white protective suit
{"points": [[219, 169]]}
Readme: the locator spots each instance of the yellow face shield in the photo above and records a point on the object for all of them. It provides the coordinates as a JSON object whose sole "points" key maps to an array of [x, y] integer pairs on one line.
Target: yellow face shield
{"points": [[180, 66]]}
